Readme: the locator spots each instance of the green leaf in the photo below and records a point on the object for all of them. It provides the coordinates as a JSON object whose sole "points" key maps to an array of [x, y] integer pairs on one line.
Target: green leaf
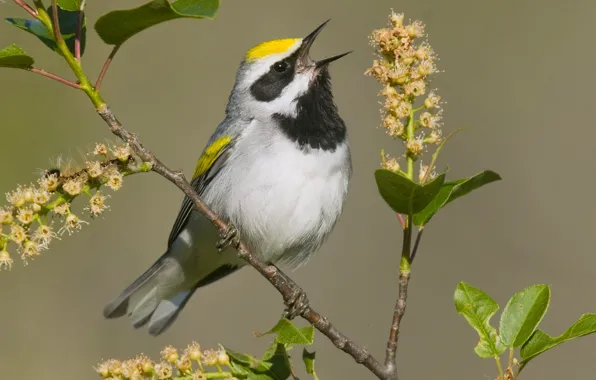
{"points": [[438, 202], [289, 334], [68, 27], [477, 307], [540, 342], [240, 358], [117, 26], [452, 190], [69, 5], [274, 365], [309, 362], [15, 57], [523, 313], [473, 183], [405, 196]]}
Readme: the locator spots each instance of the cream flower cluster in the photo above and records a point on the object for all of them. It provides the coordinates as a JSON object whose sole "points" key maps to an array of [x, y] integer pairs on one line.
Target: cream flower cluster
{"points": [[28, 223], [404, 66]]}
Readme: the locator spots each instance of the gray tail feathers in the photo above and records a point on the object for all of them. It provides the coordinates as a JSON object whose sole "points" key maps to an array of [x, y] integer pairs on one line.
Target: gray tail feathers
{"points": [[145, 303], [158, 296]]}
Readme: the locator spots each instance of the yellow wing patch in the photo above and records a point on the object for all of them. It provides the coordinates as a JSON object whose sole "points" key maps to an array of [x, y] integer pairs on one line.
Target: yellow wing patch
{"points": [[210, 155], [270, 47]]}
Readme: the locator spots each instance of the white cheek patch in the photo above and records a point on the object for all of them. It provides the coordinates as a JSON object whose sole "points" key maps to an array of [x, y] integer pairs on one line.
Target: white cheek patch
{"points": [[286, 103]]}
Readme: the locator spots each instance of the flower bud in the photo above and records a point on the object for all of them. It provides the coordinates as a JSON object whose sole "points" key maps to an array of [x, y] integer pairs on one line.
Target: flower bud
{"points": [[396, 19], [222, 357], [184, 364], [5, 260], [415, 146], [194, 351], [28, 194], [169, 354], [163, 370], [115, 367], [49, 182], [100, 150], [210, 358], [5, 217], [391, 164], [415, 29], [146, 364], [103, 369], [432, 101], [17, 234]]}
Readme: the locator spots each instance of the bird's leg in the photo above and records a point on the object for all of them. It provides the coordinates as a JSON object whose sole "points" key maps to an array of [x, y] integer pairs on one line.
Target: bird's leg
{"points": [[295, 304], [229, 237]]}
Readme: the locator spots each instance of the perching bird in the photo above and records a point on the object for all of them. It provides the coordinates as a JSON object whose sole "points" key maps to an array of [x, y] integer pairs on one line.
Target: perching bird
{"points": [[277, 168]]}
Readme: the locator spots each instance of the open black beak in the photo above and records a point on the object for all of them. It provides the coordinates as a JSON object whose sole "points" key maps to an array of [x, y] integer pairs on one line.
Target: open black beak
{"points": [[304, 50]]}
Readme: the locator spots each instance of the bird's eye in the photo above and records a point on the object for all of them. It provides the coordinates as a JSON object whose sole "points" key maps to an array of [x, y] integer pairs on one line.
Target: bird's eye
{"points": [[281, 66]]}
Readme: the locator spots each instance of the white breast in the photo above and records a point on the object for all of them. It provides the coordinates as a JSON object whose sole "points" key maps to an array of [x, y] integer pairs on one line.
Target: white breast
{"points": [[284, 200]]}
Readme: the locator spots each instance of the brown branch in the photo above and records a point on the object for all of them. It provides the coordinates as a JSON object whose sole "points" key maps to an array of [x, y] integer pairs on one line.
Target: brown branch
{"points": [[26, 7], [284, 284], [400, 304], [398, 313], [105, 67], [54, 77]]}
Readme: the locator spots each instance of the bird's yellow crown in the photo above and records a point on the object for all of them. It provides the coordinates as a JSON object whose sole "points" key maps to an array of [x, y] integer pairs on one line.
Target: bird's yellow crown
{"points": [[265, 49]]}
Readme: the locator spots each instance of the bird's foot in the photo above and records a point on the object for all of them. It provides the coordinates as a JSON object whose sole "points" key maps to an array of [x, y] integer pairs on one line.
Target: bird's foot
{"points": [[296, 304], [230, 237]]}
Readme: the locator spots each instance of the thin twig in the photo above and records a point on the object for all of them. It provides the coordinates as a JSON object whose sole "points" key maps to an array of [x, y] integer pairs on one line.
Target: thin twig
{"points": [[416, 243], [26, 7], [398, 313], [400, 304], [401, 221], [56, 21], [284, 284], [499, 368], [54, 77], [78, 36], [105, 67]]}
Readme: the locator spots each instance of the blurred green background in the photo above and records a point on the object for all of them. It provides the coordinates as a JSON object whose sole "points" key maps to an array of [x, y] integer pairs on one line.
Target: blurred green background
{"points": [[519, 74]]}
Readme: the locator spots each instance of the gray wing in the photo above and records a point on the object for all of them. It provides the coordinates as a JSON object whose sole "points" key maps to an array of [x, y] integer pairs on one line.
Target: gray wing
{"points": [[199, 184]]}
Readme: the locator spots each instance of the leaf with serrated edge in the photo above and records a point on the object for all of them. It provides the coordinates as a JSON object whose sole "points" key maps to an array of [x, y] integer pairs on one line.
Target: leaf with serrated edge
{"points": [[15, 57], [477, 307], [289, 334], [540, 342], [523, 313], [118, 26]]}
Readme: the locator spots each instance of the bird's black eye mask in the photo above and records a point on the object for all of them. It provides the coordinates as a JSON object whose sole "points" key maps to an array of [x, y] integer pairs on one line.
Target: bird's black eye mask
{"points": [[270, 86]]}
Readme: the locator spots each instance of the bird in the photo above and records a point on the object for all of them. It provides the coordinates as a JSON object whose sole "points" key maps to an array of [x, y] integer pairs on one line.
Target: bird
{"points": [[277, 169]]}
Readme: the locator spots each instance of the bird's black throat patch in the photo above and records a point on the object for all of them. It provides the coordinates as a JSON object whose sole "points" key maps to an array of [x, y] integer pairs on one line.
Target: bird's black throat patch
{"points": [[317, 124]]}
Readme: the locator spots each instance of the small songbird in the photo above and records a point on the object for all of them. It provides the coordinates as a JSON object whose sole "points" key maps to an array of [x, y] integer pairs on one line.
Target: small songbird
{"points": [[277, 169]]}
